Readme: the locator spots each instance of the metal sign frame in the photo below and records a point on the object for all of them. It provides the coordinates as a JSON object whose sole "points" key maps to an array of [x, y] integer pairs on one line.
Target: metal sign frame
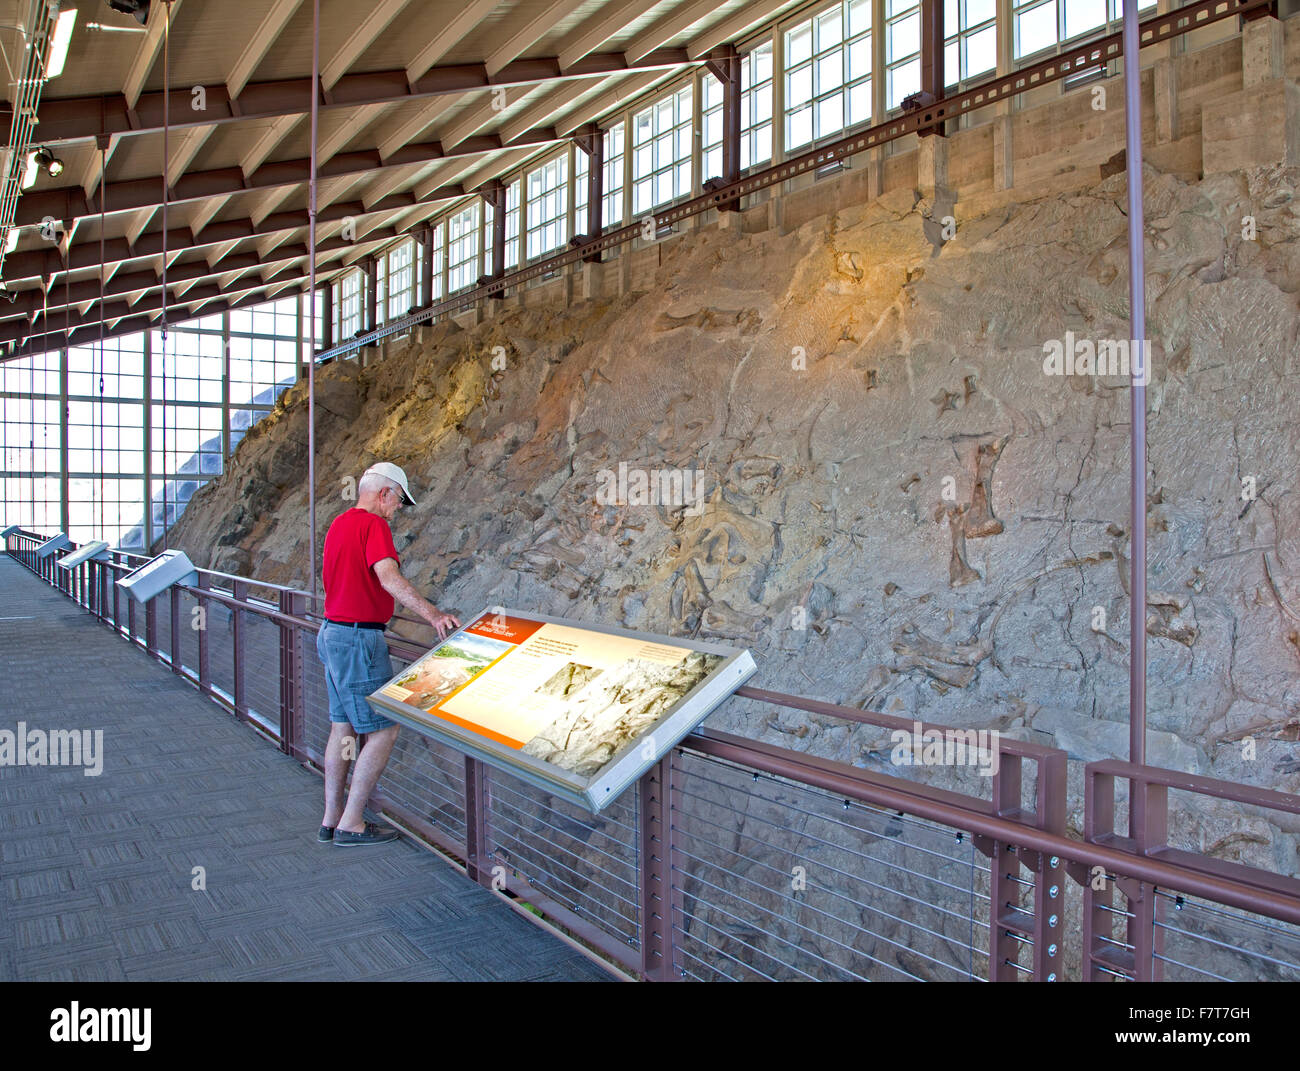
{"points": [[622, 770]]}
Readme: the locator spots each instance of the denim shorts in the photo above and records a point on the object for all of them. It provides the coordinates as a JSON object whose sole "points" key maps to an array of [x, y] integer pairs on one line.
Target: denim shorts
{"points": [[356, 664]]}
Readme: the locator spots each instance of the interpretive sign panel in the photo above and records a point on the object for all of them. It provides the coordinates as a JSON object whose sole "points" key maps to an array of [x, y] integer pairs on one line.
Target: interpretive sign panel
{"points": [[84, 554], [158, 574], [578, 709], [52, 546]]}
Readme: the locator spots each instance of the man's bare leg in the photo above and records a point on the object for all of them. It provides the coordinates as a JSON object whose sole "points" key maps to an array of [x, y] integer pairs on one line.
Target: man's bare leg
{"points": [[370, 764], [336, 770]]}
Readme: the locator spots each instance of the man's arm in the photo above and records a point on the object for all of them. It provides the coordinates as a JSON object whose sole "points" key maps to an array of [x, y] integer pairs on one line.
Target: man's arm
{"points": [[390, 576]]}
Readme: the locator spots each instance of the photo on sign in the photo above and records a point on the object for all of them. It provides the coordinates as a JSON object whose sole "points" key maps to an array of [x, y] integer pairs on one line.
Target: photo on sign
{"points": [[449, 666], [613, 707]]}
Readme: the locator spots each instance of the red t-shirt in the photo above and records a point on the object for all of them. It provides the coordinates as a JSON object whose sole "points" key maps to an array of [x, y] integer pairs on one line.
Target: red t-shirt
{"points": [[354, 543]]}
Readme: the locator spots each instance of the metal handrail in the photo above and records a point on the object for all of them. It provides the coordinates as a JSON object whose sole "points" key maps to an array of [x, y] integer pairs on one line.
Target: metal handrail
{"points": [[1030, 851]]}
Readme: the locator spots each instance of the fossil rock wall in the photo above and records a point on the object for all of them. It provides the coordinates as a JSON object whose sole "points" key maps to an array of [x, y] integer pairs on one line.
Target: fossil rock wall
{"points": [[946, 522]]}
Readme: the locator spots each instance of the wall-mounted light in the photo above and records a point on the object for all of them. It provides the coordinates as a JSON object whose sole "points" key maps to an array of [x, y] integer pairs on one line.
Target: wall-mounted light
{"points": [[59, 42]]}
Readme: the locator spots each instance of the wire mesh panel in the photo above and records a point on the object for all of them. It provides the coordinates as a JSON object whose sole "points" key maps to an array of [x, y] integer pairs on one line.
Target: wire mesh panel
{"points": [[428, 779], [261, 642], [220, 623], [777, 880], [162, 608], [188, 652], [422, 776], [1205, 942], [586, 862]]}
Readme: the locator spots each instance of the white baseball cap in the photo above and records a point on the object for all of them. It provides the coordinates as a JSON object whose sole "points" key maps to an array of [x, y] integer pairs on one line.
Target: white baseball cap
{"points": [[389, 471]]}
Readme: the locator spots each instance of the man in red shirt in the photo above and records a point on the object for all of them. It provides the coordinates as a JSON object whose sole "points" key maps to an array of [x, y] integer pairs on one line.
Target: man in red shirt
{"points": [[362, 576]]}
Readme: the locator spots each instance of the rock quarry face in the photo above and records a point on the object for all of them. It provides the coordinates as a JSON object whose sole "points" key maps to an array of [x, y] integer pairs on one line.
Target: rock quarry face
{"points": [[891, 504]]}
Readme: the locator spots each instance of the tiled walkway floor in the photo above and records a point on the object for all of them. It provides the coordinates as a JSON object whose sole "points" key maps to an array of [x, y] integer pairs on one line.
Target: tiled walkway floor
{"points": [[96, 872]]}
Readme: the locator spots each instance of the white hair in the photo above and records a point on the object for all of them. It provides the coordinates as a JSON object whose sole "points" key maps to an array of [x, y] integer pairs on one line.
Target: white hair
{"points": [[372, 481]]}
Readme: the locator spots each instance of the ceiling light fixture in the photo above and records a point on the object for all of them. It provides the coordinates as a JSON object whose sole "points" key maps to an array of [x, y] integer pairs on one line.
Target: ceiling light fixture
{"points": [[59, 42], [46, 159]]}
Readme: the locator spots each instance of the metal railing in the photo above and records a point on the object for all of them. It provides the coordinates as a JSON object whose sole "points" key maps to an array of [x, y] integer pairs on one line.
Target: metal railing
{"points": [[737, 859]]}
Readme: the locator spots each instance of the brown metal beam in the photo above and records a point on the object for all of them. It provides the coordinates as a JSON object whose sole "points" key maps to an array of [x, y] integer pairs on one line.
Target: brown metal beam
{"points": [[30, 302], [77, 118], [46, 264], [42, 329], [88, 335], [70, 203]]}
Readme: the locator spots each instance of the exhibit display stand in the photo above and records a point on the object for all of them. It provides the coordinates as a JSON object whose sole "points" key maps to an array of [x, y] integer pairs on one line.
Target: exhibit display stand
{"points": [[52, 546], [158, 574], [97, 550], [577, 709]]}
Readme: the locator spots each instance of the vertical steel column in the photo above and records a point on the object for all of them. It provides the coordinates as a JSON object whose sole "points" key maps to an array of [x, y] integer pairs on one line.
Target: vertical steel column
{"points": [[151, 625], [494, 194], [656, 845], [148, 443], [311, 288], [372, 293], [327, 316], [726, 69], [478, 854], [426, 284], [1137, 688], [225, 389], [932, 75], [592, 142], [65, 509]]}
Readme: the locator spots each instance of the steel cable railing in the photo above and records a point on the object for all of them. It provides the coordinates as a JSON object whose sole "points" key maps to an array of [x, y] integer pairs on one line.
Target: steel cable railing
{"points": [[904, 880]]}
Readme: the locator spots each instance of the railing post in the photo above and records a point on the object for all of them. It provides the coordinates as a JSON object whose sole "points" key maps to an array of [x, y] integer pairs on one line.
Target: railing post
{"points": [[1049, 873], [656, 844], [151, 625], [298, 728], [205, 677], [478, 855], [287, 697], [175, 593], [117, 606], [237, 644], [1009, 924], [1150, 811], [1102, 959]]}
